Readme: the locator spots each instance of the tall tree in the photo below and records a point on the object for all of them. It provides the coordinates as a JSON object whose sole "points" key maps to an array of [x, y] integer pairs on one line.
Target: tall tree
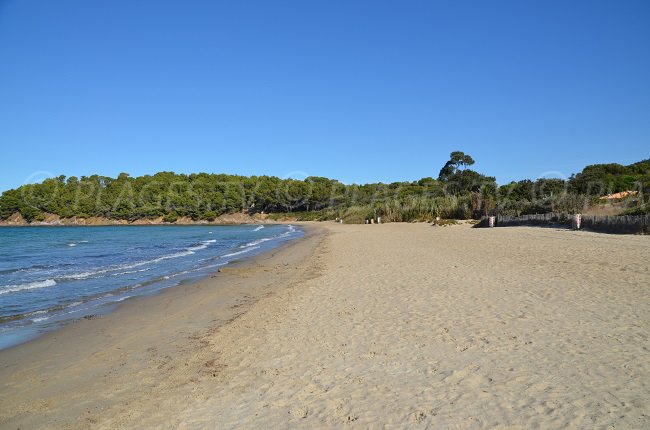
{"points": [[457, 161]]}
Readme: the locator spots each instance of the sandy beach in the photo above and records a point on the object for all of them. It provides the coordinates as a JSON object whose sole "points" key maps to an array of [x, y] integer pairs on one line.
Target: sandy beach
{"points": [[364, 326]]}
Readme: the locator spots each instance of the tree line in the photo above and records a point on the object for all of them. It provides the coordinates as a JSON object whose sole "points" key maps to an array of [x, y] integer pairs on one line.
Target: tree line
{"points": [[457, 192]]}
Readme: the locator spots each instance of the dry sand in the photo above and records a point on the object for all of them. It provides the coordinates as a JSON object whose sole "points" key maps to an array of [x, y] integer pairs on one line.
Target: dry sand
{"points": [[365, 326]]}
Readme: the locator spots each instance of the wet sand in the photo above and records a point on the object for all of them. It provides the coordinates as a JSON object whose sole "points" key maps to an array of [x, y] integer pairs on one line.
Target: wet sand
{"points": [[367, 326]]}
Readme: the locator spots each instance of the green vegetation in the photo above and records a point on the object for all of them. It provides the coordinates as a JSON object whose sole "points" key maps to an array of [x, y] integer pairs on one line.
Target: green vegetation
{"points": [[457, 193], [638, 210], [580, 191]]}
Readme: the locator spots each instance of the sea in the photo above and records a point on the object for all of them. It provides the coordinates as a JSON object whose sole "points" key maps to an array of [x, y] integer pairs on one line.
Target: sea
{"points": [[50, 276]]}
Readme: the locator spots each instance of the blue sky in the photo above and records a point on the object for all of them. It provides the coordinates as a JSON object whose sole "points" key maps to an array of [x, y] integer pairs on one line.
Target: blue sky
{"points": [[361, 91]]}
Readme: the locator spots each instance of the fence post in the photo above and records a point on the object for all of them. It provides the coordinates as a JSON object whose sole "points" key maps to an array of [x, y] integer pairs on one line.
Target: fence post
{"points": [[576, 222]]}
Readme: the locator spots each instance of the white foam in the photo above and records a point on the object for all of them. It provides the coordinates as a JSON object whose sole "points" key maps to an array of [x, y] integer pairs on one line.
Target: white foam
{"points": [[40, 319], [30, 286], [72, 244], [291, 229], [164, 257], [259, 228], [86, 275], [204, 244], [184, 272], [240, 252], [257, 242], [197, 248], [127, 272]]}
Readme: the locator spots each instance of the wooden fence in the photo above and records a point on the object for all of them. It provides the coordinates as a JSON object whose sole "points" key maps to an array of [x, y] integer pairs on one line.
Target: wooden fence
{"points": [[630, 224], [617, 224]]}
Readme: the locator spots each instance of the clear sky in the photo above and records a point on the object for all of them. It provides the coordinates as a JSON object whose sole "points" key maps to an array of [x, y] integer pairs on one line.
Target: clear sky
{"points": [[361, 91]]}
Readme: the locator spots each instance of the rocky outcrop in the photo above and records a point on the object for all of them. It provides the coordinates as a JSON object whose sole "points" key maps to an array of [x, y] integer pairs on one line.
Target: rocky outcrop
{"points": [[15, 219], [148, 221], [55, 220]]}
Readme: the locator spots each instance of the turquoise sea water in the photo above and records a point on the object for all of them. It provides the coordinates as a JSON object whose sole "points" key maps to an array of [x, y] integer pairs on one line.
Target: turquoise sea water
{"points": [[53, 275]]}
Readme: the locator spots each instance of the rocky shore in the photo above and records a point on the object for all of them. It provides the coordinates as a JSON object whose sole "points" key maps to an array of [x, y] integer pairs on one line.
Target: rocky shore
{"points": [[52, 220]]}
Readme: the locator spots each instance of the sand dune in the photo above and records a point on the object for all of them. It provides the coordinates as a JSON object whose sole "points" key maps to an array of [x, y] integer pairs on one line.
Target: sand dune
{"points": [[413, 326]]}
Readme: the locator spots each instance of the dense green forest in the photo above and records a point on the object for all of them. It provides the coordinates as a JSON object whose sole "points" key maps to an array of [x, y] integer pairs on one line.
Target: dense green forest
{"points": [[457, 192]]}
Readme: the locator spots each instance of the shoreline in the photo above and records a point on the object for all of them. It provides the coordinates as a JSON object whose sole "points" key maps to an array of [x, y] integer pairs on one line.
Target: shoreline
{"points": [[24, 331], [173, 320], [162, 224], [52, 220]]}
